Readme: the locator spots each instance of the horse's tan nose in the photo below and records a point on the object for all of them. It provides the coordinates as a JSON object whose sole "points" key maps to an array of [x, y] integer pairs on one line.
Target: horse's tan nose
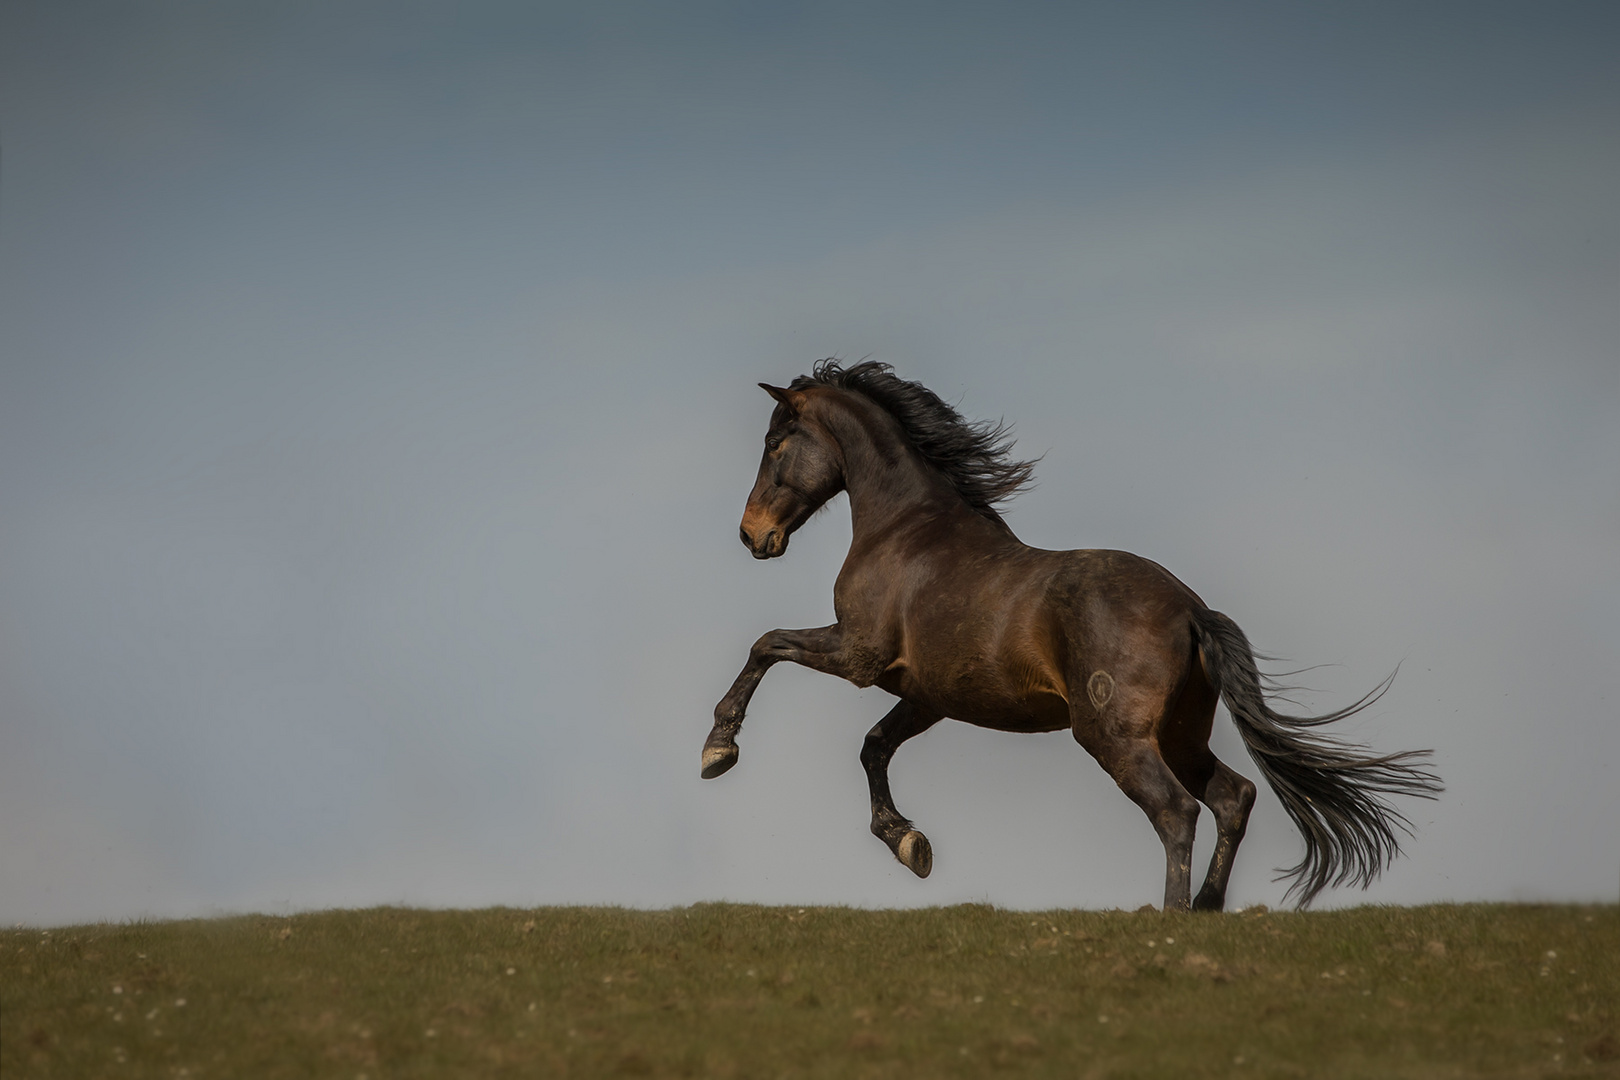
{"points": [[757, 532]]}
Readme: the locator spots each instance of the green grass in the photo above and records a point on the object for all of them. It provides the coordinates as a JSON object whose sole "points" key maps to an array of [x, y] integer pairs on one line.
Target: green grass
{"points": [[740, 991]]}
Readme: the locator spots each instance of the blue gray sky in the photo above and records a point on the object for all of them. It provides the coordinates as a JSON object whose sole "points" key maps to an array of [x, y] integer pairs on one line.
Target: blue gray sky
{"points": [[377, 407]]}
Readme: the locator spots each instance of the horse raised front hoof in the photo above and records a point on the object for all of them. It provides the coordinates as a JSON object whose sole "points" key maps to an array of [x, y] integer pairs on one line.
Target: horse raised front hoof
{"points": [[717, 759], [915, 854]]}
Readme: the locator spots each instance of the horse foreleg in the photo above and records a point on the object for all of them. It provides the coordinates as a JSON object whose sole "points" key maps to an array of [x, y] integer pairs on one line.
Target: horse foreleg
{"points": [[909, 846], [818, 649]]}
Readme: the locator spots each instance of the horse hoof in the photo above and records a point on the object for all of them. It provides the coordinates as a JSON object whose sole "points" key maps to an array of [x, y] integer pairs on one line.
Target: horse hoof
{"points": [[915, 854], [717, 759]]}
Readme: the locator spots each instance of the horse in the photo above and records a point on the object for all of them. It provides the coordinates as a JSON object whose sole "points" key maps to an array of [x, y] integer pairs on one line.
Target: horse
{"points": [[941, 605]]}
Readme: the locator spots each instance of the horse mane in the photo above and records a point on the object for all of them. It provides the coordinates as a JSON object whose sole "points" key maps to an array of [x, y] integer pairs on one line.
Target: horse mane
{"points": [[975, 457]]}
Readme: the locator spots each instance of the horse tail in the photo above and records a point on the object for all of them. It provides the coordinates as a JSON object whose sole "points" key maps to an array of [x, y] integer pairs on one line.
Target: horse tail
{"points": [[1332, 789]]}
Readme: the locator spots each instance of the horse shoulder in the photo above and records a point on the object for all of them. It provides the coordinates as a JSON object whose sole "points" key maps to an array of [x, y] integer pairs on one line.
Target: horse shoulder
{"points": [[870, 642]]}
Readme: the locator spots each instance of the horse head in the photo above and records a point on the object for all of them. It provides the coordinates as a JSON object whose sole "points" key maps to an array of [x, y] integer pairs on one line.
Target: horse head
{"points": [[801, 469]]}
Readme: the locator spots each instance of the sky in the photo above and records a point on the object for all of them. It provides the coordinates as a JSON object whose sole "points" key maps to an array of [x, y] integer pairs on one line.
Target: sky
{"points": [[378, 405]]}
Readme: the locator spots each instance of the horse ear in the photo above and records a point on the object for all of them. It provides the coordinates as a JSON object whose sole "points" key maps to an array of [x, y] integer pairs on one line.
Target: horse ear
{"points": [[786, 397]]}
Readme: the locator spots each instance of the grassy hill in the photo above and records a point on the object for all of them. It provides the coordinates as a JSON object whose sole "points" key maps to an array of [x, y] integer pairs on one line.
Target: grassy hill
{"points": [[740, 991]]}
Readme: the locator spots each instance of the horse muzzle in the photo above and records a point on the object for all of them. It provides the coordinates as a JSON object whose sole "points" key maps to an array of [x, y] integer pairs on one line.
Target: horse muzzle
{"points": [[763, 541]]}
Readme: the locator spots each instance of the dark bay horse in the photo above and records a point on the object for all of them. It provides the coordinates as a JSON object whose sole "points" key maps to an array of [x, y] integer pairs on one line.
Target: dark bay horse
{"points": [[942, 606]]}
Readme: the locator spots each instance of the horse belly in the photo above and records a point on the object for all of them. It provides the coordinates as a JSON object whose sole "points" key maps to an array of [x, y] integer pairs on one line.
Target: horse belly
{"points": [[1017, 696]]}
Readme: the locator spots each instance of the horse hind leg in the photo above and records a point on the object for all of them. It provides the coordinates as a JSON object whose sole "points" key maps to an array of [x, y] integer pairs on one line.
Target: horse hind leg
{"points": [[908, 845], [1184, 741], [1229, 797], [1135, 764], [1143, 775]]}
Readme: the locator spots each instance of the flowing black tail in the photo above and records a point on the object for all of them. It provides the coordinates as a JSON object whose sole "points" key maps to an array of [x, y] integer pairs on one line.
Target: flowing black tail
{"points": [[1334, 794]]}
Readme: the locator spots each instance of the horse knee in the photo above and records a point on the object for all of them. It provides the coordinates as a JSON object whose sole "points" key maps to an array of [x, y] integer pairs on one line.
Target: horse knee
{"points": [[762, 650]]}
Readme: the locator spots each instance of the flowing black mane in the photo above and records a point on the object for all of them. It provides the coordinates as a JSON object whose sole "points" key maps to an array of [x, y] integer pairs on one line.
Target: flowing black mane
{"points": [[974, 457]]}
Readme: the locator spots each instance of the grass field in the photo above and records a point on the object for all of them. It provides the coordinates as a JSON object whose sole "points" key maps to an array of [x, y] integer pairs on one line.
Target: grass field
{"points": [[739, 991]]}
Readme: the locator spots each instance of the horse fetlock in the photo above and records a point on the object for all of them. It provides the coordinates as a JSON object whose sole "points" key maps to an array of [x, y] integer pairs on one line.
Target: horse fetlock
{"points": [[888, 826]]}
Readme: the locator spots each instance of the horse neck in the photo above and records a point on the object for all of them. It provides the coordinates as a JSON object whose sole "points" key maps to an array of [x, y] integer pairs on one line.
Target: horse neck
{"points": [[887, 478]]}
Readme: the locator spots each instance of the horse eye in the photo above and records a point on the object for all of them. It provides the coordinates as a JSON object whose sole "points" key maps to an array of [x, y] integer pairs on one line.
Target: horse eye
{"points": [[773, 442]]}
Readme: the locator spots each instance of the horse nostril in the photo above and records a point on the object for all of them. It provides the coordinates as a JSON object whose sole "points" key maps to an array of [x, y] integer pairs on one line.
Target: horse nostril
{"points": [[743, 534]]}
